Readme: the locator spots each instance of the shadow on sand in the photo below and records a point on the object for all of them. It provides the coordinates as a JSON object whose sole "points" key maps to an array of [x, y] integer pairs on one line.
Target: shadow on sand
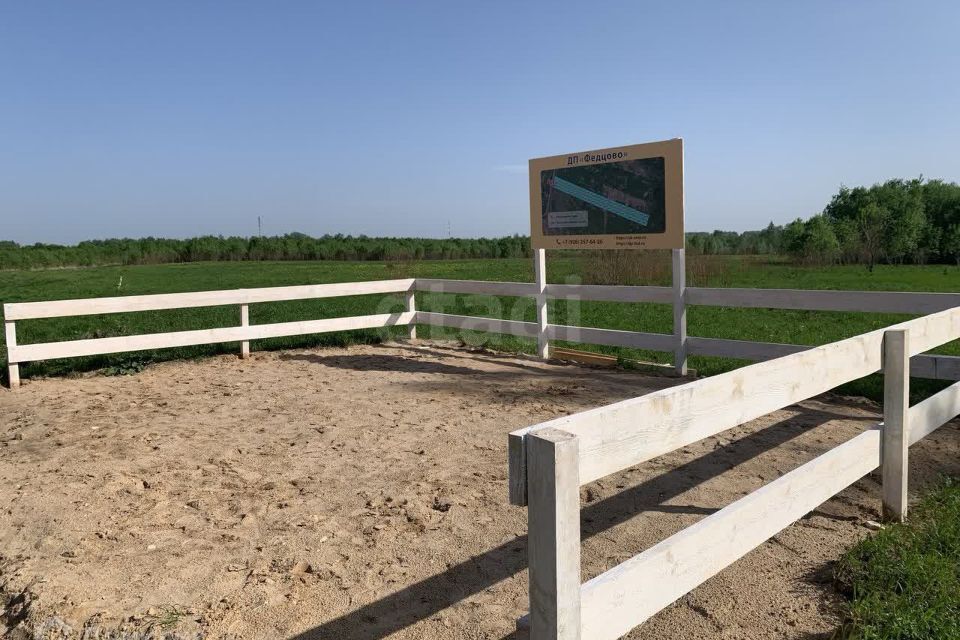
{"points": [[421, 600], [413, 360]]}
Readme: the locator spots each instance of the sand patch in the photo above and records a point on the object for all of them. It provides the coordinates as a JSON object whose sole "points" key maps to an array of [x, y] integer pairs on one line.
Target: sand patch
{"points": [[361, 493]]}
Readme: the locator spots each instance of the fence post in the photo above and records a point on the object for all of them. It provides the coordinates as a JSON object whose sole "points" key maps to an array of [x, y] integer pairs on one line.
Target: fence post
{"points": [[553, 534], [14, 369], [245, 322], [894, 448], [540, 271], [680, 311], [412, 308]]}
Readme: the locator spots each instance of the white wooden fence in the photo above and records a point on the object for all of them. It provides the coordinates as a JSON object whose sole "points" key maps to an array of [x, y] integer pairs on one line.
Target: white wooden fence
{"points": [[549, 463], [925, 366], [19, 353]]}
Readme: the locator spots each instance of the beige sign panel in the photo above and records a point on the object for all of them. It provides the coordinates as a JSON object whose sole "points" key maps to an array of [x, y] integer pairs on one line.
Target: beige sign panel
{"points": [[620, 198]]}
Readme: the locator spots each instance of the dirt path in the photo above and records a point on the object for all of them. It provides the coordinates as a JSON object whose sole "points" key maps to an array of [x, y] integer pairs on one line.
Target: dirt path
{"points": [[358, 494]]}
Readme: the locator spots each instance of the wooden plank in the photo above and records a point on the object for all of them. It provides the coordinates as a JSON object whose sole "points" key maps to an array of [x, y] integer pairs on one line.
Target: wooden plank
{"points": [[627, 595], [627, 433], [611, 337], [610, 293], [595, 359], [433, 285], [553, 539], [930, 331], [584, 357], [680, 312], [927, 365], [896, 425], [908, 302], [740, 349], [13, 369], [473, 323], [95, 346], [927, 416], [540, 275], [92, 306], [245, 322], [935, 367], [914, 303]]}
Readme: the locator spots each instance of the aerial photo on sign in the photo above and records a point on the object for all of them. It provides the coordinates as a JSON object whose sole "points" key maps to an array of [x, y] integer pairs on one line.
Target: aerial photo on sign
{"points": [[619, 197], [630, 197]]}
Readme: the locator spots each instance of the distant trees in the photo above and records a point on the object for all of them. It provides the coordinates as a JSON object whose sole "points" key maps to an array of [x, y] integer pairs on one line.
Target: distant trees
{"points": [[897, 221], [766, 241], [293, 246]]}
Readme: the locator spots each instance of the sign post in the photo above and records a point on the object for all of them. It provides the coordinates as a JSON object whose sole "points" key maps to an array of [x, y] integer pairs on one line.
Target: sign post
{"points": [[680, 311], [619, 198], [540, 275]]}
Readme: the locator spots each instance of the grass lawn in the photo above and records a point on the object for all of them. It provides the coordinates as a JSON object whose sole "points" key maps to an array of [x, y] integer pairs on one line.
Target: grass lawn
{"points": [[799, 327], [904, 582]]}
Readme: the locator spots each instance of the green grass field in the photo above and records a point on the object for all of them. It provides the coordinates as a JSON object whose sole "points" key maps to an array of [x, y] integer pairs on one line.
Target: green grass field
{"points": [[904, 582], [799, 327]]}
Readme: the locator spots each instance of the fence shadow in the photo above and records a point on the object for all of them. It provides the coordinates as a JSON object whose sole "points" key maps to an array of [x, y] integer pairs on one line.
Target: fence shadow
{"points": [[428, 597], [391, 363], [516, 360], [415, 364], [513, 369]]}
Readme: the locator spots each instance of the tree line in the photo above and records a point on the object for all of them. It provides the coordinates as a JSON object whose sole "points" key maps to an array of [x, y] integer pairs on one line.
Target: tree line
{"points": [[299, 246], [898, 221], [764, 242], [292, 246]]}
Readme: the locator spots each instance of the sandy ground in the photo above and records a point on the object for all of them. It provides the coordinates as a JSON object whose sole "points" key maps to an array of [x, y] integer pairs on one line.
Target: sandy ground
{"points": [[361, 493]]}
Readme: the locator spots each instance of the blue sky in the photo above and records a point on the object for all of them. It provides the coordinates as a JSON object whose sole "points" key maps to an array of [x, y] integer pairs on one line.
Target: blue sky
{"points": [[181, 118]]}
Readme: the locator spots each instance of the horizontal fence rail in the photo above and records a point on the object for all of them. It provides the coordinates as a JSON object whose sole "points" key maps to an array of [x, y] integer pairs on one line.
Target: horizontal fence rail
{"points": [[906, 302], [474, 323], [156, 302], [583, 447], [627, 433], [929, 366], [480, 287], [618, 600], [909, 302], [96, 346], [611, 337], [934, 412], [19, 353], [610, 293], [932, 366]]}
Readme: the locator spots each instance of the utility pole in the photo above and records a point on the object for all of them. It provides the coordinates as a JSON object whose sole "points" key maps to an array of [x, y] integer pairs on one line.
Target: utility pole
{"points": [[259, 227]]}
